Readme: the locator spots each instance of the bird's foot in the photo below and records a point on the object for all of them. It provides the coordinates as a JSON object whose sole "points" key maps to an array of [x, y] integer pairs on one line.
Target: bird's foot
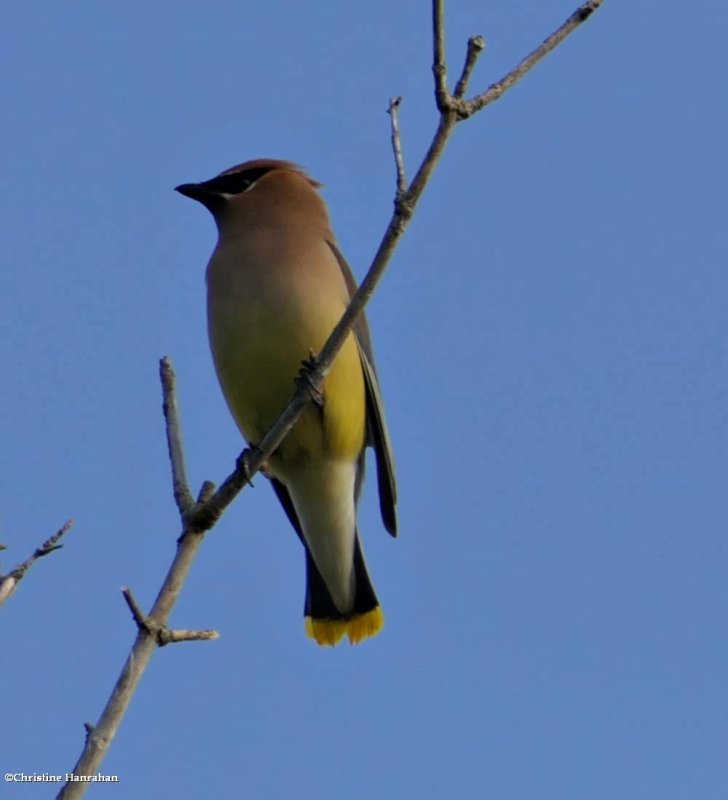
{"points": [[308, 365], [243, 463]]}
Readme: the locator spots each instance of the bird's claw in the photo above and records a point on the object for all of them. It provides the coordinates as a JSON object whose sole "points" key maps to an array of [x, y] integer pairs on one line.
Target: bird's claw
{"points": [[308, 365], [243, 463]]}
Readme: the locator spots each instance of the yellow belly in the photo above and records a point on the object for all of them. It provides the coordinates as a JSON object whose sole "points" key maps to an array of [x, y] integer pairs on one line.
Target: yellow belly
{"points": [[258, 346]]}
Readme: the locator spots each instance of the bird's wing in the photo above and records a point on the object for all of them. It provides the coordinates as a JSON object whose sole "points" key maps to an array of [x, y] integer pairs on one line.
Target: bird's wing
{"points": [[377, 434]]}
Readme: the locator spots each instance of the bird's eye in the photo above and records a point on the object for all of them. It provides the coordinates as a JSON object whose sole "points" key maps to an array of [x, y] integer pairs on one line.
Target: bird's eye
{"points": [[236, 182]]}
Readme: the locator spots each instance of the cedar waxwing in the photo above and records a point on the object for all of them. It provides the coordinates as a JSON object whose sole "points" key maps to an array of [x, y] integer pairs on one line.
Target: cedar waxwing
{"points": [[277, 284]]}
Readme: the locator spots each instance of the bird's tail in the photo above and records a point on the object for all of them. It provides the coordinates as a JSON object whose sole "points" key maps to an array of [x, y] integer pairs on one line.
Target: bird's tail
{"points": [[325, 623]]}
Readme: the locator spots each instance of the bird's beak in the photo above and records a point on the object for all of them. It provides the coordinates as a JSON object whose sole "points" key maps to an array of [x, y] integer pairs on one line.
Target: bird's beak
{"points": [[212, 201], [195, 191]]}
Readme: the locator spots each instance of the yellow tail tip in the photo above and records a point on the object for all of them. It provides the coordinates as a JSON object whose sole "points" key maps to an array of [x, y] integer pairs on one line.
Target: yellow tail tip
{"points": [[331, 631]]}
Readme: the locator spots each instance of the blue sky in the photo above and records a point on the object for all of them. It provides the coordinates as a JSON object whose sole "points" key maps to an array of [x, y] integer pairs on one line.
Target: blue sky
{"points": [[551, 341]]}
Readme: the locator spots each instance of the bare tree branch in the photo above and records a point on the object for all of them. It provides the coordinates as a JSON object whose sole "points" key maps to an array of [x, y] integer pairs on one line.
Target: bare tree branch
{"points": [[140, 617], [496, 90], [163, 634], [168, 636], [466, 108], [439, 66], [476, 45], [9, 583], [392, 110], [199, 517], [100, 736], [206, 491], [182, 494]]}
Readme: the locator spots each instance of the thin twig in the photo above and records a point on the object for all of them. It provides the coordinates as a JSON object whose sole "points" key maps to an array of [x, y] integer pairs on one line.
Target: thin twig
{"points": [[199, 518], [182, 494], [497, 89], [166, 636], [161, 633], [439, 66], [206, 491], [393, 110], [140, 617], [9, 583], [476, 45]]}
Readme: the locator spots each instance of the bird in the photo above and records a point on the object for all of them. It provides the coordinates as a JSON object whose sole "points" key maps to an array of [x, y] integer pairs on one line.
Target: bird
{"points": [[277, 284]]}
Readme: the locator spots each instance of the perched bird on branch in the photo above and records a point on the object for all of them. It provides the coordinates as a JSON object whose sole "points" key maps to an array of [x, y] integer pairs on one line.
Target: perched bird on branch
{"points": [[277, 284]]}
